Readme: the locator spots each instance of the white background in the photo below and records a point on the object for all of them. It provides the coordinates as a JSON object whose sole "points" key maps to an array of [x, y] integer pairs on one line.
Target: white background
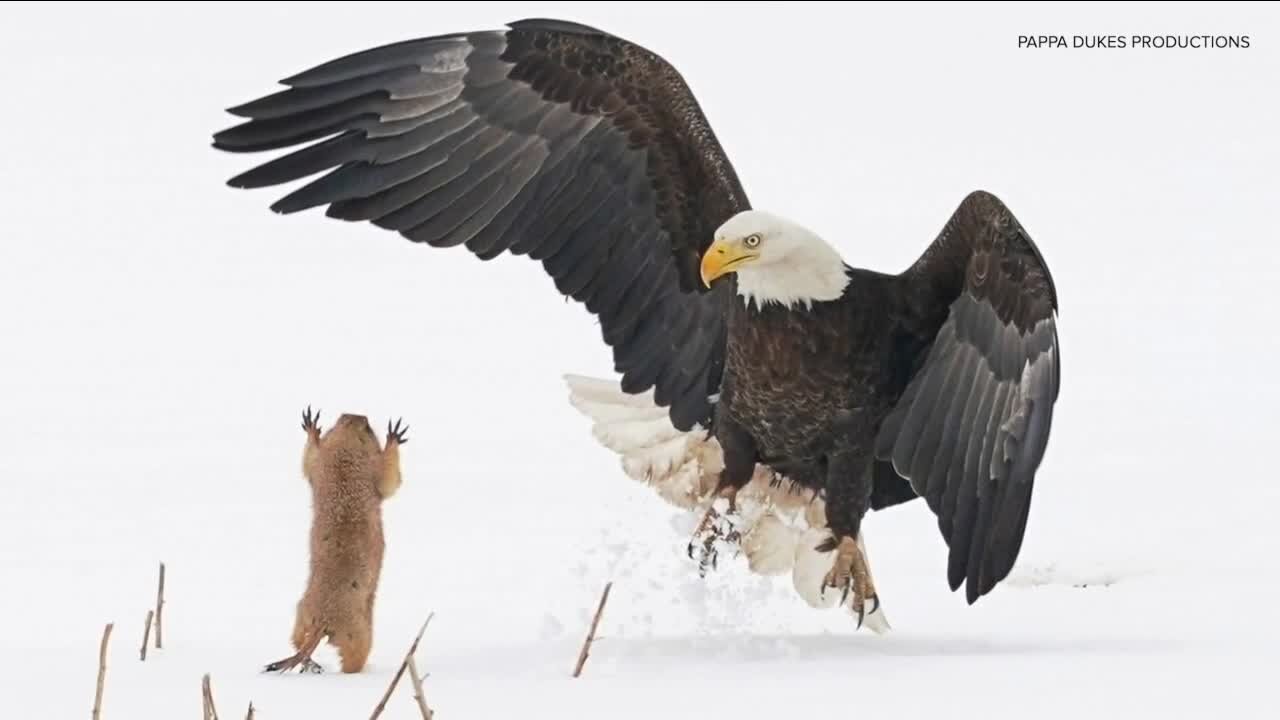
{"points": [[162, 333]]}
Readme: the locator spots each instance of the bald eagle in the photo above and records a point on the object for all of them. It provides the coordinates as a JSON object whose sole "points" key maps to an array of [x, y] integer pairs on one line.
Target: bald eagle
{"points": [[765, 384]]}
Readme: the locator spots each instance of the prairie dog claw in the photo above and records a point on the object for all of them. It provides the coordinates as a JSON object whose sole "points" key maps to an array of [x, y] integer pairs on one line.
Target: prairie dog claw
{"points": [[397, 434]]}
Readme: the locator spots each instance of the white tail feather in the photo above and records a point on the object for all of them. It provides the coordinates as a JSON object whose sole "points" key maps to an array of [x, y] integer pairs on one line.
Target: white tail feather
{"points": [[628, 435], [603, 412], [770, 545], [811, 567], [608, 392], [875, 620]]}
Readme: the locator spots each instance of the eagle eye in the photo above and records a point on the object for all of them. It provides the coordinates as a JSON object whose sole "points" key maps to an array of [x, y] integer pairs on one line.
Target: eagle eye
{"points": [[752, 240]]}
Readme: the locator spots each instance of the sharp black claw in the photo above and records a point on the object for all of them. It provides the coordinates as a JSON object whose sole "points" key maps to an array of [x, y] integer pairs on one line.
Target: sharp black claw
{"points": [[705, 545], [394, 430]]}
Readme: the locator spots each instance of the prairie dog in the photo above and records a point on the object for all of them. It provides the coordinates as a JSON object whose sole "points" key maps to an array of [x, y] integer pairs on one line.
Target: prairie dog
{"points": [[350, 476]]}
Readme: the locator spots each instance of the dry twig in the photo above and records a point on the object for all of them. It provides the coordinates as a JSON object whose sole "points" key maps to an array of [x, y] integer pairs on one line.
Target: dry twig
{"points": [[160, 609], [249, 715], [591, 634], [382, 704], [206, 688], [418, 695], [146, 634], [102, 670]]}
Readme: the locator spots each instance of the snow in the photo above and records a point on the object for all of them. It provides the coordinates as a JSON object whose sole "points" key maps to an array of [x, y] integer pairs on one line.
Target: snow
{"points": [[163, 333]]}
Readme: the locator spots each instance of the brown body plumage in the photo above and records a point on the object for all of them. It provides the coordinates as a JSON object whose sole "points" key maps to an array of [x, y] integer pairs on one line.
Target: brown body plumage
{"points": [[802, 386], [350, 476]]}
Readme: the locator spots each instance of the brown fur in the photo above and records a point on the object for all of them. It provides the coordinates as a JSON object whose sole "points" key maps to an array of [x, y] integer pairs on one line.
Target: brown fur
{"points": [[350, 477]]}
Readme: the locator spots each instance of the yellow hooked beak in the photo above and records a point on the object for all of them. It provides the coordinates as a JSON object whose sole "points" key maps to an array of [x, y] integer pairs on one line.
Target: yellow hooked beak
{"points": [[724, 257]]}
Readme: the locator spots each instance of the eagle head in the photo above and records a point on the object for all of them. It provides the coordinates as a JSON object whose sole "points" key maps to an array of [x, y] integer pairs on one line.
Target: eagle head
{"points": [[776, 260]]}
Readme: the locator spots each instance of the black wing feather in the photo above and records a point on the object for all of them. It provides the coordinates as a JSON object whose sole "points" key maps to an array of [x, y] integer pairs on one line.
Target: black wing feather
{"points": [[549, 139], [933, 475], [972, 427]]}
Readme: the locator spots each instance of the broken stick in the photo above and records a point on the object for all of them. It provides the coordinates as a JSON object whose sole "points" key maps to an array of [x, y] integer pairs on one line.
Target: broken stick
{"points": [[206, 689], [591, 634], [160, 609], [249, 715], [146, 634], [102, 670], [382, 704], [418, 695]]}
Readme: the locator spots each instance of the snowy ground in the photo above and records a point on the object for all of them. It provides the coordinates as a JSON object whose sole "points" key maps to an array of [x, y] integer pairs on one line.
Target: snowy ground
{"points": [[162, 334]]}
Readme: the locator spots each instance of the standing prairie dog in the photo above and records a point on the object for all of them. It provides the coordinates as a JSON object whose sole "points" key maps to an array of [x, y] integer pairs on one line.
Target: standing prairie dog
{"points": [[350, 476]]}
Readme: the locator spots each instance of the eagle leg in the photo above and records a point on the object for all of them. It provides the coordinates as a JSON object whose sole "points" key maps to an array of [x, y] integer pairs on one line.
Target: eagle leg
{"points": [[716, 528], [849, 484], [739, 466], [852, 575]]}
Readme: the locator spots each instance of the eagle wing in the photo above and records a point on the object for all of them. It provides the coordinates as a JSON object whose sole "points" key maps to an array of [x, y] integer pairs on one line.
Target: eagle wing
{"points": [[972, 426], [548, 139]]}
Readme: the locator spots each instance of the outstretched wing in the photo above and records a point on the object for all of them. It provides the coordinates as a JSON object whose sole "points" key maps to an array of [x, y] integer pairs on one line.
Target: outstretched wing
{"points": [[973, 424], [549, 139]]}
